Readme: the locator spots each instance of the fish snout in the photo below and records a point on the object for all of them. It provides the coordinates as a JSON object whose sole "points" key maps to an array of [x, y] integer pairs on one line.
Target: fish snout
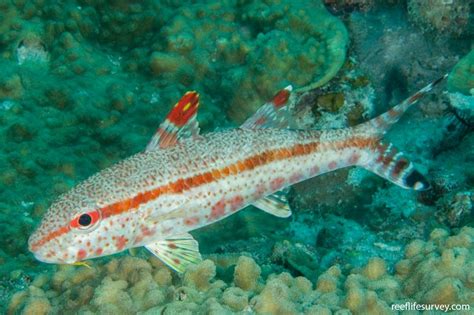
{"points": [[48, 252]]}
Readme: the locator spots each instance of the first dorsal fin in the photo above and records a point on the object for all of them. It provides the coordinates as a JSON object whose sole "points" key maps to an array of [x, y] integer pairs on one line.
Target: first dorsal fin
{"points": [[273, 114], [181, 122]]}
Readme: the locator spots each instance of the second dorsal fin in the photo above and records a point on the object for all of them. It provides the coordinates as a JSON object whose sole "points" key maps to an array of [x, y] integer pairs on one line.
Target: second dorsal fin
{"points": [[181, 122], [273, 114]]}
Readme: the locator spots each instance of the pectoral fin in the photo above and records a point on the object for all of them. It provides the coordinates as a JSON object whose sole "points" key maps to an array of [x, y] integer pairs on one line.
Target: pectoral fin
{"points": [[275, 204], [177, 252]]}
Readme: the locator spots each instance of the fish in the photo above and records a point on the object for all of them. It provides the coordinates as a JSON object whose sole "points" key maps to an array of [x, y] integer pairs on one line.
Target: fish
{"points": [[185, 180]]}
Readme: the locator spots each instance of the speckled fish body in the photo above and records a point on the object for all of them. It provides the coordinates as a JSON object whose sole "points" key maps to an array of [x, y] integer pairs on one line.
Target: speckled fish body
{"points": [[193, 181]]}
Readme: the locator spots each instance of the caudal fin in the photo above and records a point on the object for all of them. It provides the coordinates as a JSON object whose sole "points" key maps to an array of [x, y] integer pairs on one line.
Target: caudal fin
{"points": [[380, 124], [389, 163]]}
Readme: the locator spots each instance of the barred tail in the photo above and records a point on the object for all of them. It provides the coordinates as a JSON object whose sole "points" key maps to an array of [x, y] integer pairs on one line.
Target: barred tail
{"points": [[389, 163], [386, 161], [380, 124]]}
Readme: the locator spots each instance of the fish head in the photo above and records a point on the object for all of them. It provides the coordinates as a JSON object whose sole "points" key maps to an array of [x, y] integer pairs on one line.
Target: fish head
{"points": [[76, 228]]}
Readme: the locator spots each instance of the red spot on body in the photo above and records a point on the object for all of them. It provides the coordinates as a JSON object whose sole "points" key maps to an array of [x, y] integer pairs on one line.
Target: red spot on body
{"points": [[218, 209], [99, 251], [236, 203], [191, 221], [121, 242], [332, 165], [260, 191], [314, 170], [295, 178], [81, 254], [354, 158], [277, 183]]}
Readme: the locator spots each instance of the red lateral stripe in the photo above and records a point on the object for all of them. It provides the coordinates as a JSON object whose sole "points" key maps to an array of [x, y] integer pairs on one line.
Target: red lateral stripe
{"points": [[181, 185]]}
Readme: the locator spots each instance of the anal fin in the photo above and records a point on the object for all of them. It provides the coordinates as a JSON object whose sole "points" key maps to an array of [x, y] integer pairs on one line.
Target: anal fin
{"points": [[390, 164], [177, 252], [275, 204]]}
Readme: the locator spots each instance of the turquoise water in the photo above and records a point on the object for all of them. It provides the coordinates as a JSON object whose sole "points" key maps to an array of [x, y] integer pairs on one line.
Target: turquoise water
{"points": [[85, 84]]}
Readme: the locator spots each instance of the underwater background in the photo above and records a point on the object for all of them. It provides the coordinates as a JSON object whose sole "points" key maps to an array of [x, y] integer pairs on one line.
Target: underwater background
{"points": [[84, 84]]}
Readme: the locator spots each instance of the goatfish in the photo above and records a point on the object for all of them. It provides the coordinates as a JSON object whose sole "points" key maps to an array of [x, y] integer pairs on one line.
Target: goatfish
{"points": [[185, 180]]}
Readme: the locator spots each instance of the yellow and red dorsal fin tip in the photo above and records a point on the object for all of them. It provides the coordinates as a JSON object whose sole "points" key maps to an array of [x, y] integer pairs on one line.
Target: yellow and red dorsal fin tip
{"points": [[180, 123], [282, 97], [185, 109]]}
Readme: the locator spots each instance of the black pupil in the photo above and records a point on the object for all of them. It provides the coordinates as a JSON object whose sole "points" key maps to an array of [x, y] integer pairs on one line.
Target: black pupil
{"points": [[85, 219]]}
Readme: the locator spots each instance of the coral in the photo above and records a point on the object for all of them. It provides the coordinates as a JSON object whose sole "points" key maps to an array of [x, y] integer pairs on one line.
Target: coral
{"points": [[349, 5], [246, 274], [439, 270], [457, 208], [32, 49], [128, 285], [449, 17], [235, 298], [200, 276]]}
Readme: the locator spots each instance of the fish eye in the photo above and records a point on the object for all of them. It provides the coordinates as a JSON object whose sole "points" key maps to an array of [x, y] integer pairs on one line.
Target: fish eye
{"points": [[86, 220]]}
